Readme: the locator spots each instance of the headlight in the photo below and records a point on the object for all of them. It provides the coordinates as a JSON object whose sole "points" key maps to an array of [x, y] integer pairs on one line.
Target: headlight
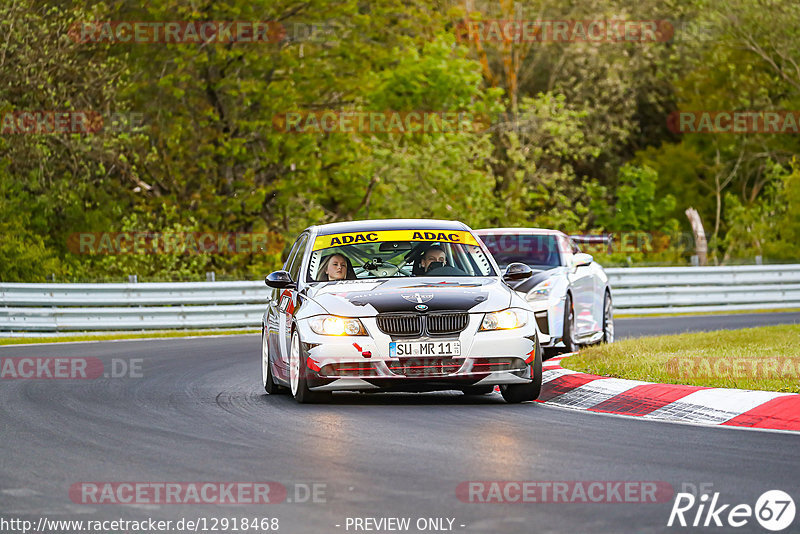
{"points": [[504, 320], [330, 325], [541, 291]]}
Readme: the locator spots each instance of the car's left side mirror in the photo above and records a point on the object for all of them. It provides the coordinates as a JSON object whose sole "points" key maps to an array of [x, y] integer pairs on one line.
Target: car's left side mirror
{"points": [[517, 271], [280, 280], [580, 259]]}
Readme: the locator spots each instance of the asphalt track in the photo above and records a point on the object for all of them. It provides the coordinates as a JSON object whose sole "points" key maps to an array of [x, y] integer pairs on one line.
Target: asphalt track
{"points": [[653, 326], [198, 413]]}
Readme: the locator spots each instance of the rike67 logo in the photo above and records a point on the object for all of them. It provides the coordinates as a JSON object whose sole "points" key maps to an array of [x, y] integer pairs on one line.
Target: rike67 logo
{"points": [[774, 510]]}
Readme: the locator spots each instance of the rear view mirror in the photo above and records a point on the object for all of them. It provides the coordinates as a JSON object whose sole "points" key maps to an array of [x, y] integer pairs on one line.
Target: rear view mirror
{"points": [[580, 259], [517, 271], [280, 280], [390, 246]]}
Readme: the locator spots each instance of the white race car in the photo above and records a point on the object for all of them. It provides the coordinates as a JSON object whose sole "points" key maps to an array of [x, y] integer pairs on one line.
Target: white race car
{"points": [[397, 305], [569, 291]]}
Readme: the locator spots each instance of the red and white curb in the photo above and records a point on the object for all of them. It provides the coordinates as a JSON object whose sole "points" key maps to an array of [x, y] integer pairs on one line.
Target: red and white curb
{"points": [[668, 402]]}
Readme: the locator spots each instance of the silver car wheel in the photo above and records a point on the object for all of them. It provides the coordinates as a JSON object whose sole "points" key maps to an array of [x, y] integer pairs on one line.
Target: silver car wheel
{"points": [[608, 320], [264, 359], [571, 330], [294, 364]]}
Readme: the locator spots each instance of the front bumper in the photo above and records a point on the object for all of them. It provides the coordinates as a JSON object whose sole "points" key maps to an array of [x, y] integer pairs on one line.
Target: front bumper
{"points": [[549, 315]]}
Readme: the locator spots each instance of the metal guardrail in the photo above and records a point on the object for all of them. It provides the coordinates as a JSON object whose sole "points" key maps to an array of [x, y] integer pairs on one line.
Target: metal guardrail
{"points": [[148, 306], [654, 290]]}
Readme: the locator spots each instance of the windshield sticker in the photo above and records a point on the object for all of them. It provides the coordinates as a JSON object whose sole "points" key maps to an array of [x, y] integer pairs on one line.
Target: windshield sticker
{"points": [[448, 284], [349, 286], [335, 240]]}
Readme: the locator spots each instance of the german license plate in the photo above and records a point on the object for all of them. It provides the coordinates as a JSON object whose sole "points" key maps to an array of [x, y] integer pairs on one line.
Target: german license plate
{"points": [[415, 349]]}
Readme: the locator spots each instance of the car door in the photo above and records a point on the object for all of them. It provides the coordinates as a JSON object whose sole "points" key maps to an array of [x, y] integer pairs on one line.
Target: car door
{"points": [[599, 283], [288, 299], [581, 280], [279, 311]]}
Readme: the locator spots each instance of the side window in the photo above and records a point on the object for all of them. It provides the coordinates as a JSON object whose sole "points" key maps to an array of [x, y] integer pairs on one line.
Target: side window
{"points": [[296, 258], [292, 254], [565, 248]]}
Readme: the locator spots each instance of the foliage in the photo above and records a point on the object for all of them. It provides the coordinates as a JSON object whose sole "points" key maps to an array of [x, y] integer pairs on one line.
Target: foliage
{"points": [[769, 227], [569, 135]]}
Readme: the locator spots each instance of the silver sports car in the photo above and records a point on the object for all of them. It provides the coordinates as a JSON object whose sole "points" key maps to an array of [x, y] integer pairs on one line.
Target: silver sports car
{"points": [[569, 291], [398, 305]]}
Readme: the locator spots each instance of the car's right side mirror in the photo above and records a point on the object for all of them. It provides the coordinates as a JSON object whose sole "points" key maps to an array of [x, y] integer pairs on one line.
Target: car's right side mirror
{"points": [[280, 280], [517, 271]]}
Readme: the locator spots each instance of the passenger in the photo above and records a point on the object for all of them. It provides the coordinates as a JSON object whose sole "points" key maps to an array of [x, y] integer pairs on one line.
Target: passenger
{"points": [[336, 267]]}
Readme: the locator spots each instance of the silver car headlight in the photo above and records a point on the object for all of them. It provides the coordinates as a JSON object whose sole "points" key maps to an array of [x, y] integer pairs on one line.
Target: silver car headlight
{"points": [[331, 325], [540, 291], [507, 319]]}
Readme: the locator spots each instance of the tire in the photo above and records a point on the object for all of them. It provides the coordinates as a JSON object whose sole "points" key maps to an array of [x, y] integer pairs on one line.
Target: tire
{"points": [[550, 352], [298, 365], [477, 390], [608, 319], [568, 335], [270, 386], [515, 393]]}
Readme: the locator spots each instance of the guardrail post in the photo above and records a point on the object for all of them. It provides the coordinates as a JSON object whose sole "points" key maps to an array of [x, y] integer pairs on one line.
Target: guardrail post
{"points": [[211, 276], [133, 279]]}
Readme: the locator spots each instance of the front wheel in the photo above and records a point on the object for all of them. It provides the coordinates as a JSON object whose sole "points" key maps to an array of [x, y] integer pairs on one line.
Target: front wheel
{"points": [[298, 369], [515, 393], [608, 319], [267, 379]]}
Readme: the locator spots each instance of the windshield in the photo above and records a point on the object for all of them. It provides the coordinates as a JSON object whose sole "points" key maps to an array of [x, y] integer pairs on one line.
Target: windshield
{"points": [[534, 250], [379, 258]]}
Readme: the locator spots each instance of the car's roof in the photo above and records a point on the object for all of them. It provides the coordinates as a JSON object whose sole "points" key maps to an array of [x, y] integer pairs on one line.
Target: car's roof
{"points": [[518, 231], [389, 224]]}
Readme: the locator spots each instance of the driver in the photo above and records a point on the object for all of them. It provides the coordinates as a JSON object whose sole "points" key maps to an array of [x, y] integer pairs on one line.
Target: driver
{"points": [[434, 255], [434, 262], [336, 267]]}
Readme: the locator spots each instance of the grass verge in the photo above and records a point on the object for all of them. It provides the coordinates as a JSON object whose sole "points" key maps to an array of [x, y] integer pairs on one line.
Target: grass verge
{"points": [[622, 315], [125, 335], [764, 358]]}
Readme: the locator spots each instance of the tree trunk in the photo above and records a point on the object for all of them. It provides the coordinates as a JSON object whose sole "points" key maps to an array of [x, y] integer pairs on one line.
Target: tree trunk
{"points": [[700, 243]]}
